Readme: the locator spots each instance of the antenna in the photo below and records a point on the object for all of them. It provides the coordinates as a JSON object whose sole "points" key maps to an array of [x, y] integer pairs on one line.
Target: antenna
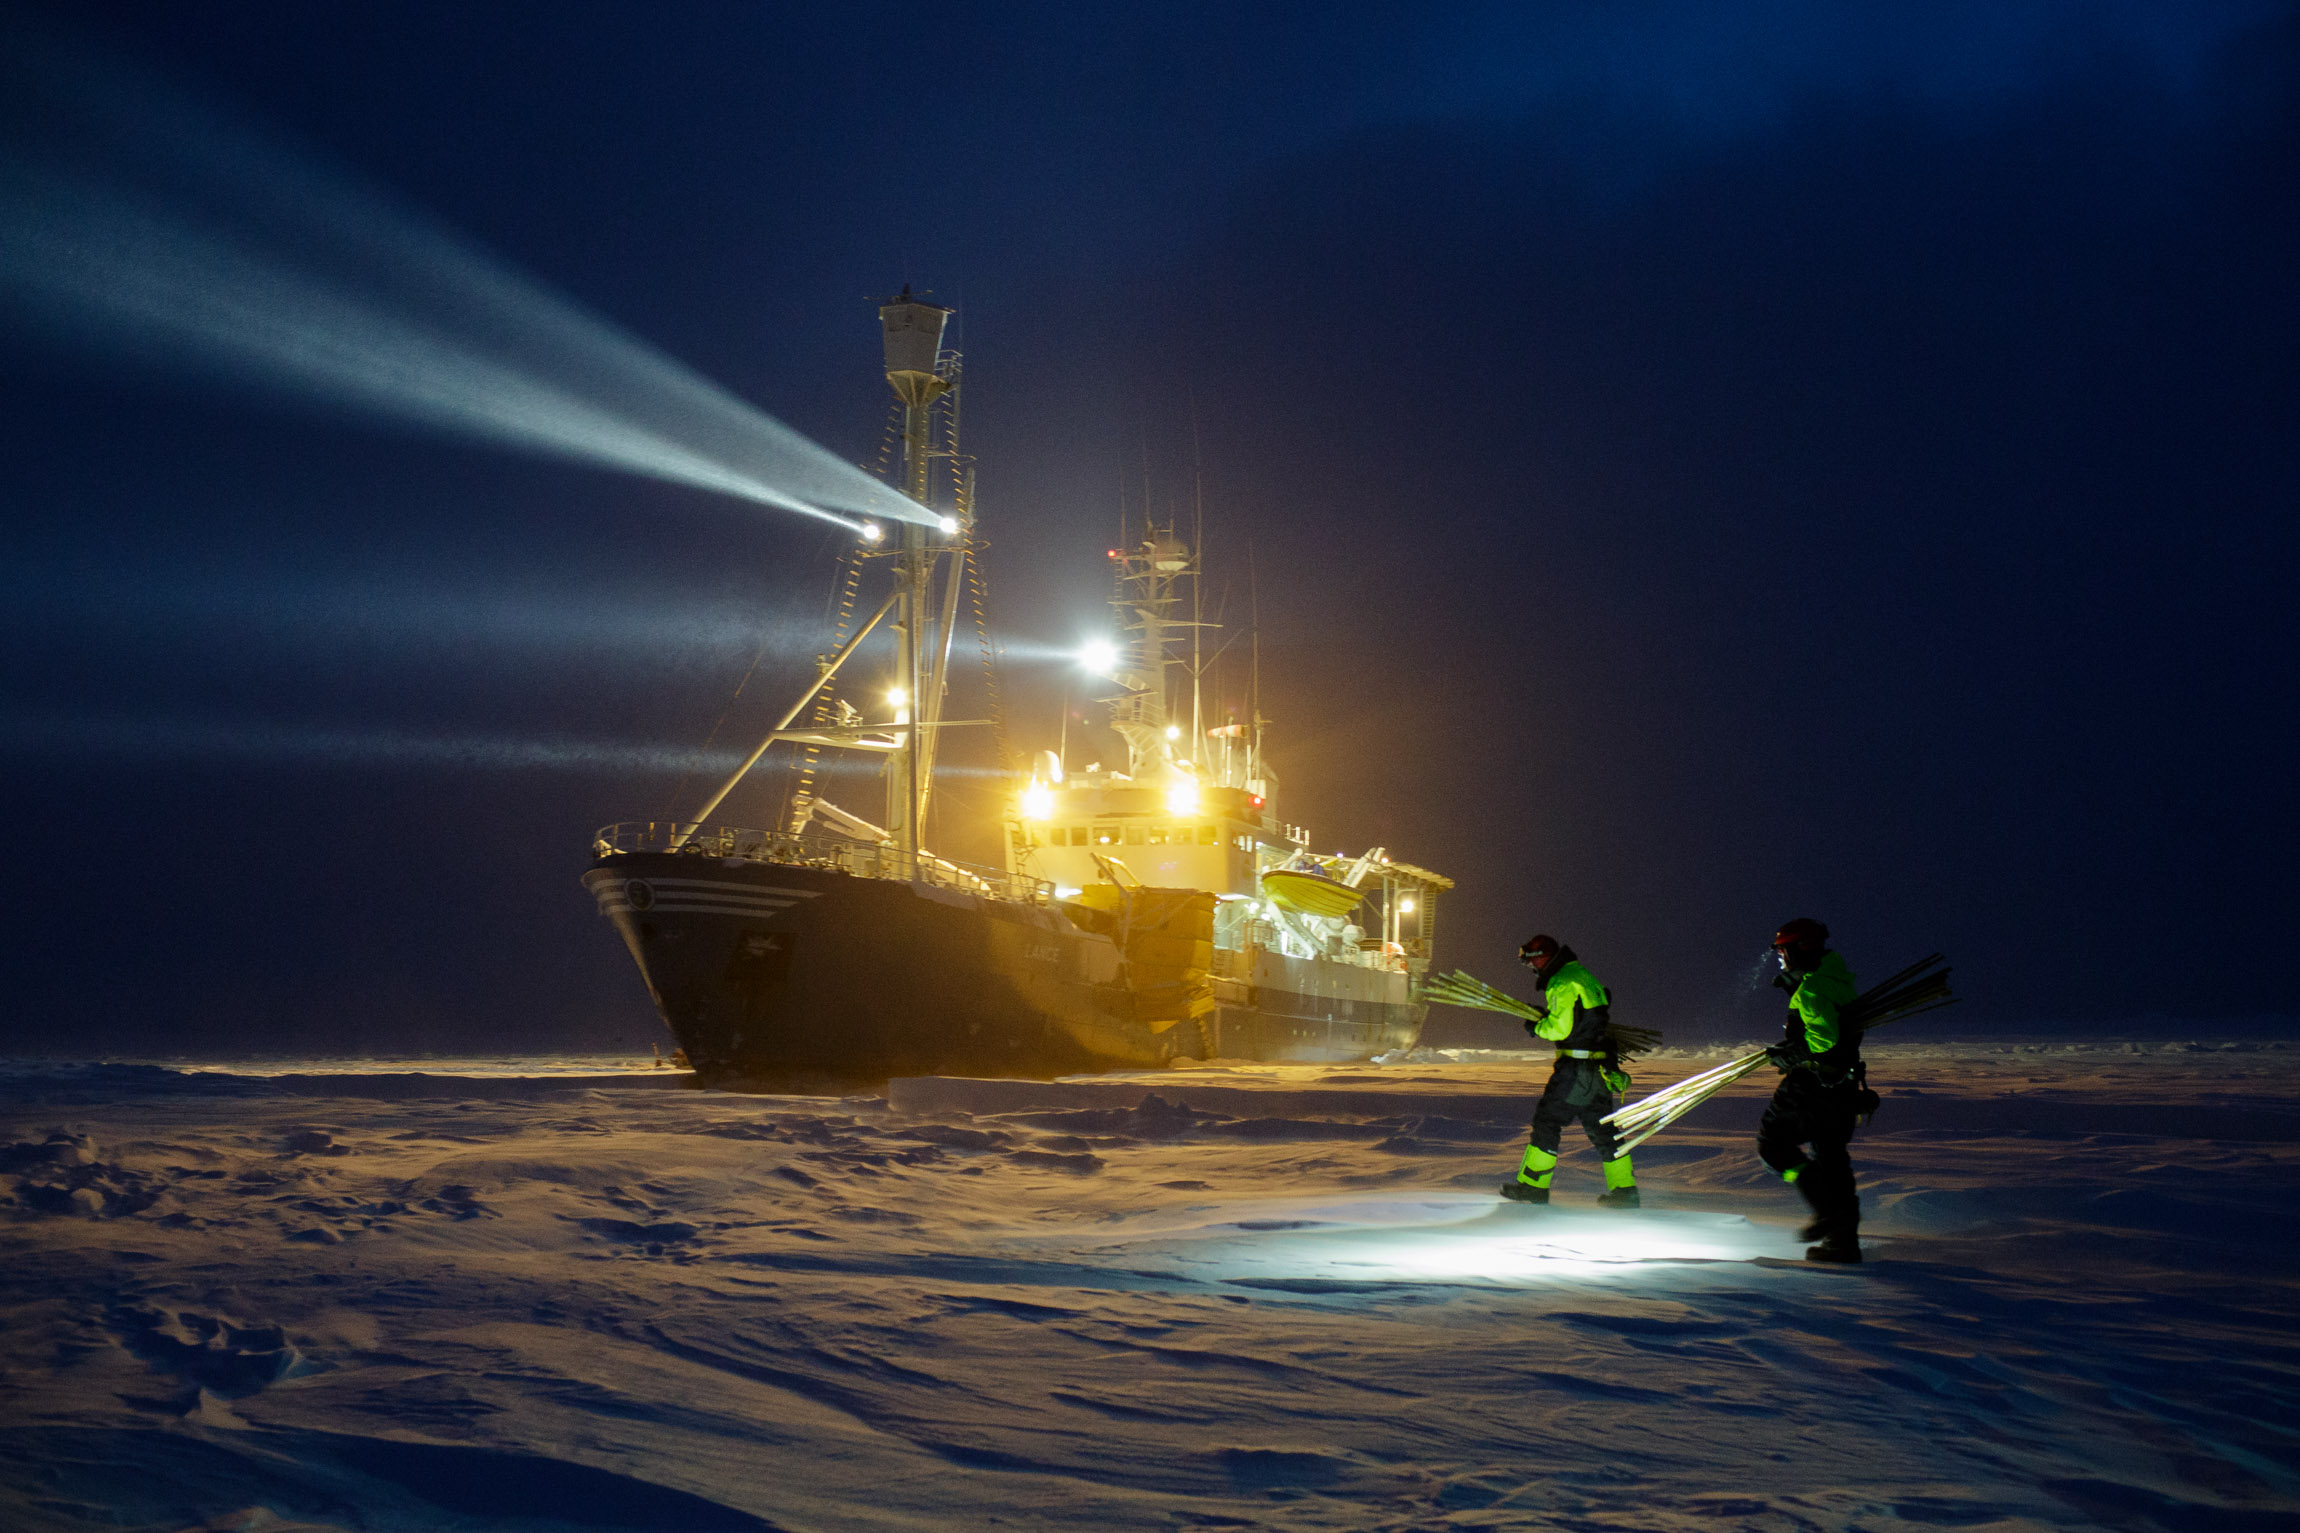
{"points": [[1254, 692], [1197, 587], [1149, 519]]}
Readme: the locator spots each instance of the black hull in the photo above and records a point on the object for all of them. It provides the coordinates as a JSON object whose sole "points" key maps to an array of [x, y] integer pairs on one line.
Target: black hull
{"points": [[769, 972]]}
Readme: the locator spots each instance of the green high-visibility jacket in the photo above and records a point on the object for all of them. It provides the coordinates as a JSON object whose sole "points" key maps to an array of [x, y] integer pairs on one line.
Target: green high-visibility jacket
{"points": [[1818, 999], [1571, 986]]}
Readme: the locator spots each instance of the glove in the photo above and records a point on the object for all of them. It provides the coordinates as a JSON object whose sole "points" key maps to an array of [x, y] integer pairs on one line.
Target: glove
{"points": [[1533, 1030], [1786, 1056]]}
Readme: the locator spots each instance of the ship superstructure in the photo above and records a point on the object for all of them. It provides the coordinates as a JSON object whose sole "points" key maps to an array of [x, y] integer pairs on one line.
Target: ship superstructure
{"points": [[1144, 914], [1195, 808]]}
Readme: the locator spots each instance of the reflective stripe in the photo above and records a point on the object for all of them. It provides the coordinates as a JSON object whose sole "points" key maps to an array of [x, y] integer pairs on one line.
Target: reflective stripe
{"points": [[1537, 1167], [1581, 1053]]}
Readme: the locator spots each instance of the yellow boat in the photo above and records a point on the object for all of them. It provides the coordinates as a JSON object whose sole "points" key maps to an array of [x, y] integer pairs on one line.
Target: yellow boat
{"points": [[1312, 894]]}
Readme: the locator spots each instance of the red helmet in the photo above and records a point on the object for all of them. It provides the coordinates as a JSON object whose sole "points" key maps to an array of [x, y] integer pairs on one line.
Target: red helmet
{"points": [[1537, 950], [1804, 932]]}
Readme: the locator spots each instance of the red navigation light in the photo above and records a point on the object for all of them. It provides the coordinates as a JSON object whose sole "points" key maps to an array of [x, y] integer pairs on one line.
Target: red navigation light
{"points": [[1114, 553], [1257, 800]]}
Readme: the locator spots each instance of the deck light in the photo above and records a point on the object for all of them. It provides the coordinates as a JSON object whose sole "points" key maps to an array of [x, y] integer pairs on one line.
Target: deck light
{"points": [[1037, 801], [1406, 906], [949, 525], [1099, 656], [1182, 797], [872, 532]]}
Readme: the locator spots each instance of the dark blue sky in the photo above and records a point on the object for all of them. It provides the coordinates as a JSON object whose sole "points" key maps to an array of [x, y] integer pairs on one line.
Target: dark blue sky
{"points": [[1702, 464]]}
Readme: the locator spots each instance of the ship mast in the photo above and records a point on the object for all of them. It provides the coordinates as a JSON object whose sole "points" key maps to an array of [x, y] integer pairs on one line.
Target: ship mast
{"points": [[913, 335], [1146, 597]]}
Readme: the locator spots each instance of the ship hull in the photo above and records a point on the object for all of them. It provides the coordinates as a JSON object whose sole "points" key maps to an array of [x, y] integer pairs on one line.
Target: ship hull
{"points": [[767, 972]]}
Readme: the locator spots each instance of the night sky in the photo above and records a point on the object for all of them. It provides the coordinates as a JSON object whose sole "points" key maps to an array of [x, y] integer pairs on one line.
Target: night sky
{"points": [[1697, 465]]}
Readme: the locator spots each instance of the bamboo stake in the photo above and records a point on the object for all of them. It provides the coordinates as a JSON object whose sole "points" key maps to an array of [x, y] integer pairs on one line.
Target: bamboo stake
{"points": [[1910, 993], [1464, 989]]}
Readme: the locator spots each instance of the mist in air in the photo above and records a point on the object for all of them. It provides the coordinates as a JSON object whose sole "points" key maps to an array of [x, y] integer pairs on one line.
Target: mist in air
{"points": [[159, 233]]}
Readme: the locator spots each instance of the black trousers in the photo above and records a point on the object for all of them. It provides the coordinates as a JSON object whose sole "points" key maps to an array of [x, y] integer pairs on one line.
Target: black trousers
{"points": [[1807, 1111], [1576, 1089]]}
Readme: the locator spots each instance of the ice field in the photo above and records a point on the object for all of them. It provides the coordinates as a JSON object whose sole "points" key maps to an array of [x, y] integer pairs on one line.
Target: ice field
{"points": [[508, 1294]]}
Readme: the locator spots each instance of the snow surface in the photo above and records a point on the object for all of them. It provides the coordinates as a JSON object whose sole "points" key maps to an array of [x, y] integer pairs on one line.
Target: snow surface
{"points": [[480, 1295]]}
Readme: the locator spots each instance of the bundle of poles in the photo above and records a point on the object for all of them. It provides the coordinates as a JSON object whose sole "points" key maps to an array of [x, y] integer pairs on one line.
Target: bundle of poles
{"points": [[1921, 987], [1462, 989]]}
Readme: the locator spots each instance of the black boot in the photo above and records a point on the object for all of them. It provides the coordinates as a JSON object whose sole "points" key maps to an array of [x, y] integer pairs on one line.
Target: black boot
{"points": [[1838, 1246], [1524, 1192], [1836, 1208], [1619, 1197]]}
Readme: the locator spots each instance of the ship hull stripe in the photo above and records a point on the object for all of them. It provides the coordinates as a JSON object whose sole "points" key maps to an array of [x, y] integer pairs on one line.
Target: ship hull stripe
{"points": [[714, 886], [708, 907]]}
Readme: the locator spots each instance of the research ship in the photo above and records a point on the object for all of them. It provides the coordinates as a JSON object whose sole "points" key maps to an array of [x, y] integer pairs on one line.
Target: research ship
{"points": [[1147, 914]]}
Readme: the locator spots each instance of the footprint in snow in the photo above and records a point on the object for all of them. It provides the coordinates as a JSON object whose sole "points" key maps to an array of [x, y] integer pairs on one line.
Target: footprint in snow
{"points": [[457, 1201], [310, 1141], [213, 1352], [1271, 1468], [654, 1237], [1076, 1165], [64, 1175]]}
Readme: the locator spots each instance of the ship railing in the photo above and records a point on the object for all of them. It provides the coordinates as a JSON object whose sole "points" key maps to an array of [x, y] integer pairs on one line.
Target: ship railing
{"points": [[833, 853]]}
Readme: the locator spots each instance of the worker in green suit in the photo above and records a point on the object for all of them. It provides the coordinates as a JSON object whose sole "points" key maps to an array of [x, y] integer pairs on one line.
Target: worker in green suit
{"points": [[1585, 1083], [1824, 1092]]}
